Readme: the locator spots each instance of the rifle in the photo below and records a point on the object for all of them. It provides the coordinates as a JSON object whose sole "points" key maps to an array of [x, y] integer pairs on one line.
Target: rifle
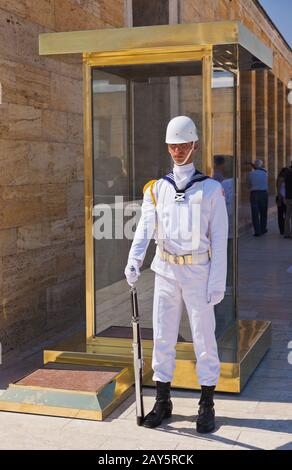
{"points": [[138, 360]]}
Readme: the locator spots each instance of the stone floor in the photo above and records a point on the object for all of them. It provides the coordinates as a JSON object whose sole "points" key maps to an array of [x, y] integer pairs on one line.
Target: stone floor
{"points": [[260, 418]]}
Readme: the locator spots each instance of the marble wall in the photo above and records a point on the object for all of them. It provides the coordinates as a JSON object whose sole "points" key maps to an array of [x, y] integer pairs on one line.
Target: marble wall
{"points": [[42, 284]]}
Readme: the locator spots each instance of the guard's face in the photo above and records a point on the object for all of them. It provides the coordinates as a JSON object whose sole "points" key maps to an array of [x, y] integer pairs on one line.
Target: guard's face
{"points": [[180, 151]]}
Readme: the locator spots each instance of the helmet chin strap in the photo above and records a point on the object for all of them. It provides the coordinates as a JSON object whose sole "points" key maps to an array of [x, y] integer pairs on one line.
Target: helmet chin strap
{"points": [[187, 157]]}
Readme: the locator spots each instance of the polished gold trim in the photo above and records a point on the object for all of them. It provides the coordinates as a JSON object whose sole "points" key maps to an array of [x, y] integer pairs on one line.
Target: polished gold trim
{"points": [[50, 410], [115, 39], [207, 114], [148, 56], [67, 357], [237, 185], [185, 377], [51, 389], [164, 36], [155, 51], [254, 355], [88, 200]]}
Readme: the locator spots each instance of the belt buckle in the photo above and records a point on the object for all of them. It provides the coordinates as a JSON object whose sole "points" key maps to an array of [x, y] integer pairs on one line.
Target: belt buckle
{"points": [[171, 258], [180, 259]]}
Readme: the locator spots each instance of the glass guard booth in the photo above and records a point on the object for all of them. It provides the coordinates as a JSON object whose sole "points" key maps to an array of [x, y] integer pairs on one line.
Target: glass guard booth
{"points": [[135, 81]]}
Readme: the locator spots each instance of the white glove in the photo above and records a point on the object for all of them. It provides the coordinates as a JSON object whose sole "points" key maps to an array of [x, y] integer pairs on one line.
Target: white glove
{"points": [[215, 297], [132, 271]]}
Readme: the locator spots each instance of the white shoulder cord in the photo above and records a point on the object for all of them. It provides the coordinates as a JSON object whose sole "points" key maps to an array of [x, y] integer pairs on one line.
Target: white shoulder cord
{"points": [[196, 220]]}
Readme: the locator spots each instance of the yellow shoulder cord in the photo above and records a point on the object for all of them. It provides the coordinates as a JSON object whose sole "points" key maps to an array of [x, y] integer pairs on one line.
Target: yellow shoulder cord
{"points": [[150, 185]]}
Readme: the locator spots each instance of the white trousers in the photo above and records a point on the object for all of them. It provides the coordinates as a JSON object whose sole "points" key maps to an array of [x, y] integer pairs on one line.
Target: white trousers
{"points": [[190, 286]]}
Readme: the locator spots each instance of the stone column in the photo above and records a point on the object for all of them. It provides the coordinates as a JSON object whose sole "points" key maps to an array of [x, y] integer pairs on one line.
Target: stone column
{"points": [[281, 125], [272, 130], [247, 127], [288, 131], [150, 13], [262, 116]]}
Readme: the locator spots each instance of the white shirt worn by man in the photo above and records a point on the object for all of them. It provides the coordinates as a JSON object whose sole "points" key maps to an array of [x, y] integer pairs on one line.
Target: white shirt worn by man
{"points": [[178, 221]]}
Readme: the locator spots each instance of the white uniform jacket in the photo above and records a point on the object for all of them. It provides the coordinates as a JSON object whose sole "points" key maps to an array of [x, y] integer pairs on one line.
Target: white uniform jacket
{"points": [[196, 225]]}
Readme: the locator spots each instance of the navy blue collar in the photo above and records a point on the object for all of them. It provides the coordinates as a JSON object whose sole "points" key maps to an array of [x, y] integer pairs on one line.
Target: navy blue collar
{"points": [[197, 176]]}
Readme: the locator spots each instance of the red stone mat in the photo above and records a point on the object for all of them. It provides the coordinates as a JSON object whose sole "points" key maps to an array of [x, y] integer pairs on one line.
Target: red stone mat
{"points": [[70, 377]]}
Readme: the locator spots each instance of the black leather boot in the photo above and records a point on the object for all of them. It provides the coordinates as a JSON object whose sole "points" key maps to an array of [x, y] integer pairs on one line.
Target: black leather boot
{"points": [[162, 408], [206, 415]]}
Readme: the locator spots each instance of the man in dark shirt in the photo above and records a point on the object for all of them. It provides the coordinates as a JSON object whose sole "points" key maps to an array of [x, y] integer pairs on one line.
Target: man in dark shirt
{"points": [[288, 202]]}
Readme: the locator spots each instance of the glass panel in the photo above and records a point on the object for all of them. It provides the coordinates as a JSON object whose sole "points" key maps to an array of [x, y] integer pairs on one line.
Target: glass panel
{"points": [[111, 189], [131, 108], [223, 112]]}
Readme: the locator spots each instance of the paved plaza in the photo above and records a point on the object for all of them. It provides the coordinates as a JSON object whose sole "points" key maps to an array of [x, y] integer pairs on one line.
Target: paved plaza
{"points": [[260, 418]]}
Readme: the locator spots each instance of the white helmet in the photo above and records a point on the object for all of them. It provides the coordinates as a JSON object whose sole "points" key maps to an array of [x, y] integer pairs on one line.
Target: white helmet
{"points": [[180, 130]]}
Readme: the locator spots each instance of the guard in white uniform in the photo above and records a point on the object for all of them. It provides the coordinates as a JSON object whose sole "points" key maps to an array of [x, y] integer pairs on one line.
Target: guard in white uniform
{"points": [[186, 213]]}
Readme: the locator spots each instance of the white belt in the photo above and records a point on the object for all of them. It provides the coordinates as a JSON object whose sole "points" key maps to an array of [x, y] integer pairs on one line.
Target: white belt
{"points": [[194, 258]]}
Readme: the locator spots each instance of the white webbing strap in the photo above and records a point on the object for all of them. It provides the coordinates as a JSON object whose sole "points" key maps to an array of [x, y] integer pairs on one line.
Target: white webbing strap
{"points": [[160, 196], [196, 220]]}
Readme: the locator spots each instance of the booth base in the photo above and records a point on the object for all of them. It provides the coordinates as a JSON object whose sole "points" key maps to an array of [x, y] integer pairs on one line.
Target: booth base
{"points": [[88, 381], [73, 390]]}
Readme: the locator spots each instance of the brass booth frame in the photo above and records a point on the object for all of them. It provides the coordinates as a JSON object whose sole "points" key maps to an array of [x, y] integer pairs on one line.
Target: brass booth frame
{"points": [[248, 339], [91, 60]]}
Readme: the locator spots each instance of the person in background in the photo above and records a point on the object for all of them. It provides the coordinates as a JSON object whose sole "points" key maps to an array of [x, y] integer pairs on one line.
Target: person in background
{"points": [[219, 163], [280, 199], [118, 181], [101, 189], [288, 202], [258, 186]]}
